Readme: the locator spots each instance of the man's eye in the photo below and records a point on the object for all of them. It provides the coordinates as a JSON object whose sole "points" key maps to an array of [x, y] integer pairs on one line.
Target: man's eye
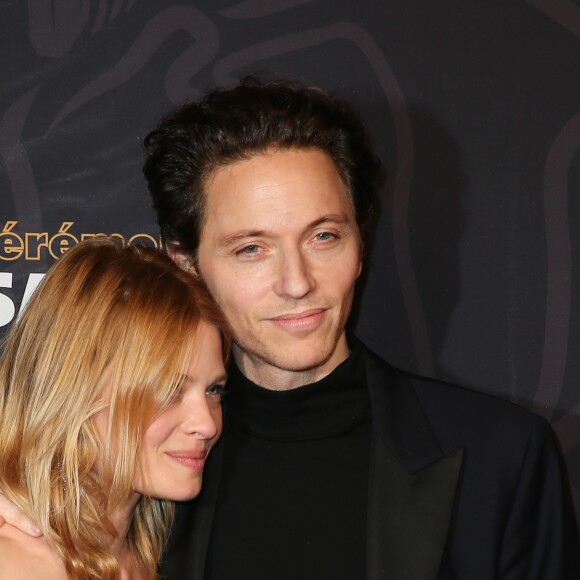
{"points": [[248, 250], [323, 236], [216, 391]]}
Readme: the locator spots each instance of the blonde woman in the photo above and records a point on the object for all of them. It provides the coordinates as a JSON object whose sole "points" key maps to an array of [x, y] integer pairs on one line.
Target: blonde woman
{"points": [[110, 401]]}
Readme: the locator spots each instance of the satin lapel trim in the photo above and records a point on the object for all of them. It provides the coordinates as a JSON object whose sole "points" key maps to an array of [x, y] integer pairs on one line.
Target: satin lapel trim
{"points": [[398, 416], [409, 515], [412, 483]]}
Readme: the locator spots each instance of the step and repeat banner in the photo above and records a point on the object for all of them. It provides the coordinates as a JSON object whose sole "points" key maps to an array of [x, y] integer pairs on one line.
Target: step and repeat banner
{"points": [[473, 108]]}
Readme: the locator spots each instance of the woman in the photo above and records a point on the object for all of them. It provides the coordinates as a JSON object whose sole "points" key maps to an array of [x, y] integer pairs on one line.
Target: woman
{"points": [[111, 385]]}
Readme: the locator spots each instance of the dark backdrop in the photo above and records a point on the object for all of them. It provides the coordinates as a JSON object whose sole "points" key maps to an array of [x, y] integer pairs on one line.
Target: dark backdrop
{"points": [[474, 108]]}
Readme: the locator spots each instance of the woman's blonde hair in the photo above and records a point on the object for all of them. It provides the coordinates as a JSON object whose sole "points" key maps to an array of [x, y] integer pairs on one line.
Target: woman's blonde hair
{"points": [[104, 314]]}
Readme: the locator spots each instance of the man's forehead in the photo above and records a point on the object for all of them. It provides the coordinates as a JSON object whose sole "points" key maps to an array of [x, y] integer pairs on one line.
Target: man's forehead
{"points": [[276, 173]]}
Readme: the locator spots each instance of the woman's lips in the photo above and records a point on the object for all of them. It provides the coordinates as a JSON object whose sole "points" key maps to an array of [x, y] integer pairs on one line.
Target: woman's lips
{"points": [[192, 460], [300, 321]]}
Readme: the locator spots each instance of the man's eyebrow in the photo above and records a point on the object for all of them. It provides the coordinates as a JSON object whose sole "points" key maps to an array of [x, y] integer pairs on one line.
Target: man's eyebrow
{"points": [[339, 219], [234, 238], [330, 218]]}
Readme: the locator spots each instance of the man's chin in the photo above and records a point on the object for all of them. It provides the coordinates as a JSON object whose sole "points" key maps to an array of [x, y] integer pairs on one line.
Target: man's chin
{"points": [[318, 362], [312, 358]]}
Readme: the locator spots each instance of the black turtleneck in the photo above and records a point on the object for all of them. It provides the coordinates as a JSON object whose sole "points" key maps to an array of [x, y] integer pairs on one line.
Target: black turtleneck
{"points": [[292, 501]]}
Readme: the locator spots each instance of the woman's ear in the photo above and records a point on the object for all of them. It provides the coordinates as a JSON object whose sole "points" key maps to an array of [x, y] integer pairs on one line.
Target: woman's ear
{"points": [[183, 260]]}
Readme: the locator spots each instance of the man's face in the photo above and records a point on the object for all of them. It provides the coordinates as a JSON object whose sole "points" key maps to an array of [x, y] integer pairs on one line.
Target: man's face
{"points": [[280, 252]]}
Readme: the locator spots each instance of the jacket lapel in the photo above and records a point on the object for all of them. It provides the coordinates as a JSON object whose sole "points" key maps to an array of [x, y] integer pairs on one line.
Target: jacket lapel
{"points": [[412, 483]]}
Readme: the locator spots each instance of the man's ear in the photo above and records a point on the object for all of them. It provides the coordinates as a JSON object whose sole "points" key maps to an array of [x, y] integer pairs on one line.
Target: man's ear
{"points": [[183, 260]]}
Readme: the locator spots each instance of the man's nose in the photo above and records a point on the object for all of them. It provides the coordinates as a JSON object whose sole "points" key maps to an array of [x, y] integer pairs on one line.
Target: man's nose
{"points": [[295, 277]]}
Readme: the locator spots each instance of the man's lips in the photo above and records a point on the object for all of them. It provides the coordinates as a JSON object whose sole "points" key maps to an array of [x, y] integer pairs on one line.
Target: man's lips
{"points": [[194, 460], [300, 321]]}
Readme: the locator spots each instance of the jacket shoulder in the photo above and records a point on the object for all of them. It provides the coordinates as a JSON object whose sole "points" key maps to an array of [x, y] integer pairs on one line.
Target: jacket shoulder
{"points": [[459, 415]]}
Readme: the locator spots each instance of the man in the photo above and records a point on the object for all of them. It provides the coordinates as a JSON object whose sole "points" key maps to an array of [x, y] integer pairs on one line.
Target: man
{"points": [[332, 465]]}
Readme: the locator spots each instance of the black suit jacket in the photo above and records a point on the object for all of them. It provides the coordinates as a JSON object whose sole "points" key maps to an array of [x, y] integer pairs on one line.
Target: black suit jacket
{"points": [[462, 486]]}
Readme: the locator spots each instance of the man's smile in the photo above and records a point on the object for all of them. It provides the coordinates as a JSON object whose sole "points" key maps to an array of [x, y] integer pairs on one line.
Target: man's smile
{"points": [[300, 321]]}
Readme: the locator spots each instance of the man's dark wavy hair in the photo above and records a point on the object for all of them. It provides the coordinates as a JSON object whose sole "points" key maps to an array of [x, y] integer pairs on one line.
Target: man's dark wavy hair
{"points": [[230, 125]]}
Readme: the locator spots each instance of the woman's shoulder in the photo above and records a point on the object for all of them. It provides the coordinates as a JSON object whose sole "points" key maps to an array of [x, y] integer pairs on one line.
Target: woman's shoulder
{"points": [[23, 557]]}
